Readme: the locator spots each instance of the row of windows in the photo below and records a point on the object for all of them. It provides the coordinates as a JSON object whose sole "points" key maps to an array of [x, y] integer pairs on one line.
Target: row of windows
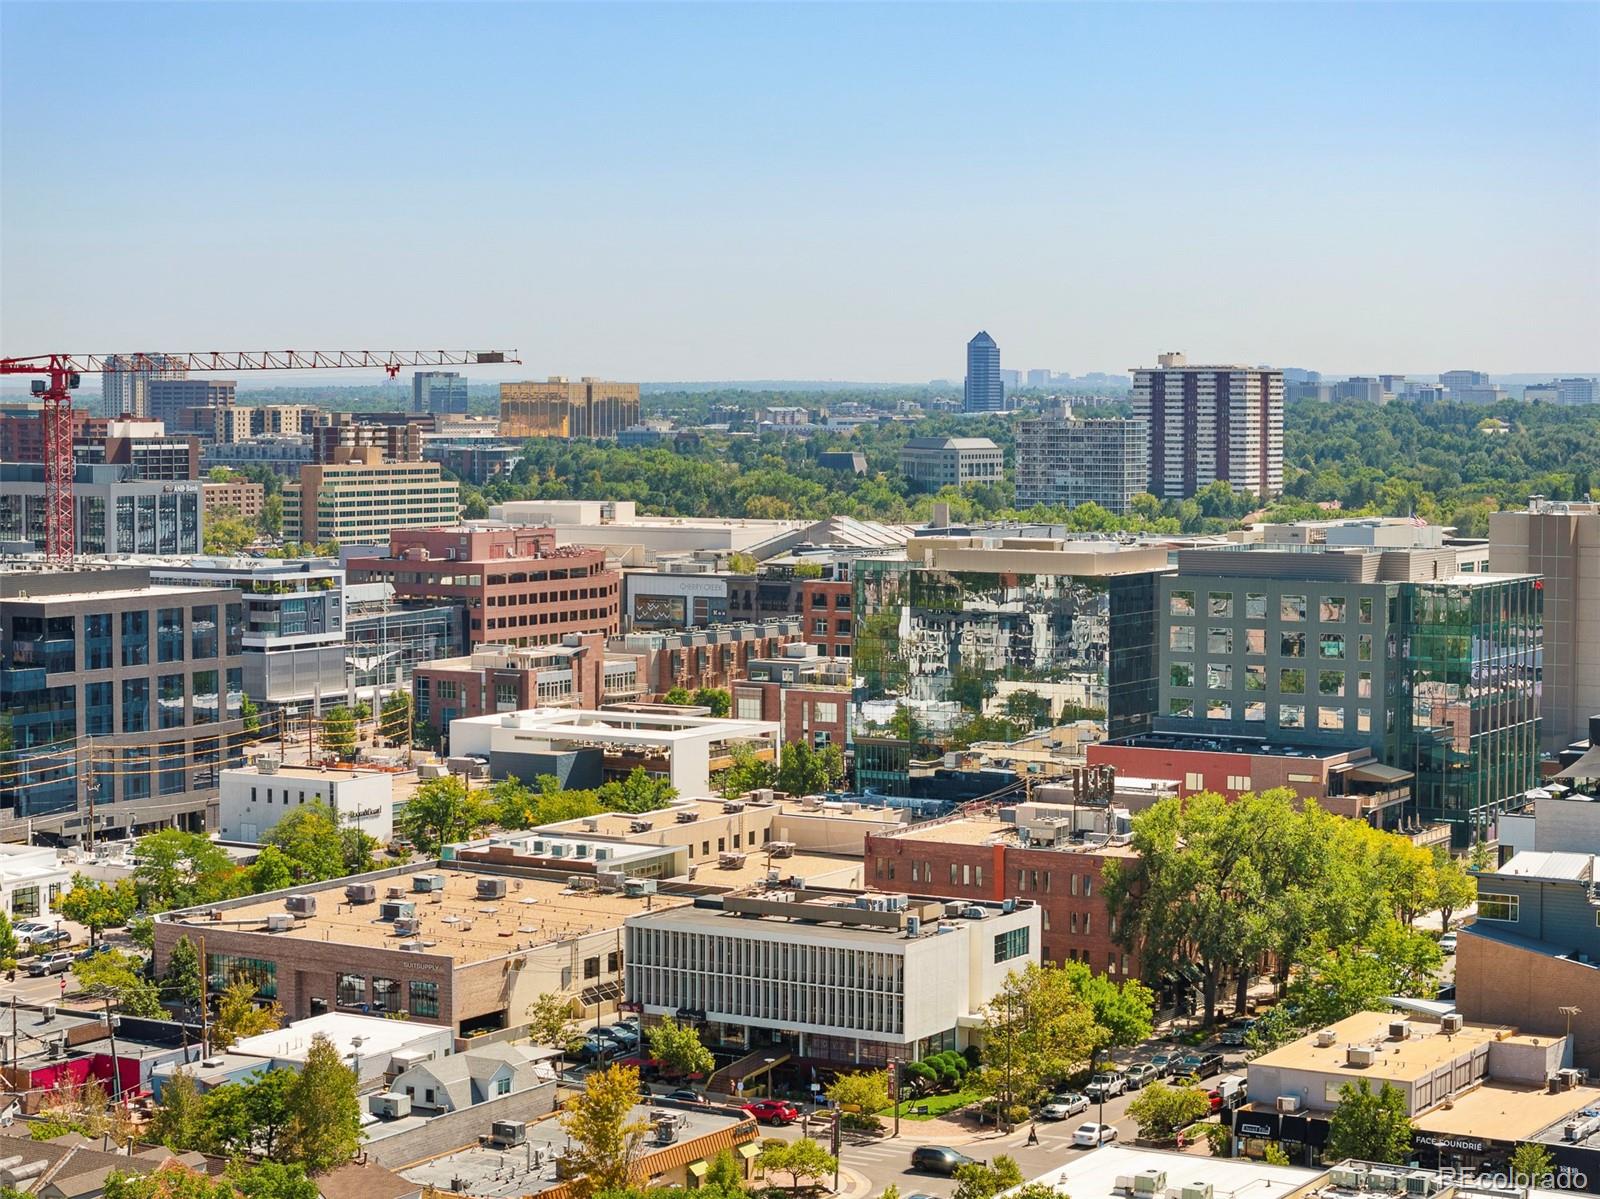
{"points": [[1331, 609], [1183, 638], [1290, 716], [556, 597], [387, 995], [1292, 680]]}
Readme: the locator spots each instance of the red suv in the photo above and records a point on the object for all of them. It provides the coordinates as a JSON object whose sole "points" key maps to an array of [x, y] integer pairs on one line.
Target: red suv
{"points": [[773, 1111]]}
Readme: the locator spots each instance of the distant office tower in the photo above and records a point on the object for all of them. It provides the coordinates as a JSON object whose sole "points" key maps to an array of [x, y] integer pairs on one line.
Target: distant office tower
{"points": [[127, 391], [559, 407], [1454, 379], [985, 390], [1065, 461], [1010, 380], [1038, 378], [169, 397], [1208, 423], [1579, 390], [439, 391]]}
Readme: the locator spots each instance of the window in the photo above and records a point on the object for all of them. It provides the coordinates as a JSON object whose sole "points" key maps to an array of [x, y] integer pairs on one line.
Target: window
{"points": [[350, 990], [97, 641], [135, 638], [1330, 719], [1181, 603], [591, 967], [1364, 685], [1180, 639], [169, 635], [1238, 782], [1180, 707], [25, 902], [1292, 680], [1182, 674], [1364, 647], [1331, 610], [203, 631], [1292, 608], [1363, 720], [1255, 641], [1331, 645], [386, 995], [1219, 641], [1012, 944], [1219, 676], [204, 683], [1219, 709], [1499, 907], [1220, 603], [1255, 605], [424, 999], [224, 968], [1256, 710], [1255, 678], [505, 695], [135, 705], [1291, 716], [1330, 682], [502, 1085], [1194, 781], [169, 700], [447, 689], [825, 713], [1292, 645], [97, 709], [1364, 610]]}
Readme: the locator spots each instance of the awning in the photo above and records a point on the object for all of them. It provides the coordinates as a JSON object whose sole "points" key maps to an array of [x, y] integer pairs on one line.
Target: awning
{"points": [[750, 1150], [698, 1169], [1585, 768], [1376, 772]]}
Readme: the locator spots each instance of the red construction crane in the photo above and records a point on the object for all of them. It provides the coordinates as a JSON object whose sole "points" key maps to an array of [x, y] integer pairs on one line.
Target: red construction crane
{"points": [[63, 373]]}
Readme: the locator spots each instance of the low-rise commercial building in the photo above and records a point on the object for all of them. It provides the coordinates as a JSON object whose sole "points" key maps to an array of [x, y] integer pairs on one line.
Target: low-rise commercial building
{"points": [[932, 463], [243, 500], [833, 977], [516, 585], [636, 539], [254, 798], [805, 694], [113, 514], [359, 497]]}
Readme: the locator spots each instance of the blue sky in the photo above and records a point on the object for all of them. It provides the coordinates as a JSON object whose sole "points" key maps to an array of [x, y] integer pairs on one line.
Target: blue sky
{"points": [[810, 191]]}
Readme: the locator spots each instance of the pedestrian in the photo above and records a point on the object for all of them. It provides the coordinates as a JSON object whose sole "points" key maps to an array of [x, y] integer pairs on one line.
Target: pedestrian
{"points": [[1033, 1134]]}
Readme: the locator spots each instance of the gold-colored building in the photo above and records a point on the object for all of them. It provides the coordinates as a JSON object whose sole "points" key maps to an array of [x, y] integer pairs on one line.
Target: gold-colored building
{"points": [[558, 407]]}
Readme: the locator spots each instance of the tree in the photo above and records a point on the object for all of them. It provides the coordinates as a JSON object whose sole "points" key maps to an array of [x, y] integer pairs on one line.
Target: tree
{"points": [[180, 983], [1274, 1155], [678, 697], [324, 1128], [804, 1158], [179, 870], [1370, 1126], [310, 839], [177, 1122], [550, 1023], [716, 699], [238, 1015], [639, 792], [865, 1090], [8, 941], [1453, 888], [1532, 1165], [978, 1181], [394, 717], [1036, 1031], [743, 564], [806, 771], [337, 734], [605, 1142], [271, 871], [250, 713], [247, 1119], [227, 533], [1162, 1110], [746, 773], [441, 811], [1407, 875], [1358, 977], [116, 976], [98, 906], [1123, 1012], [271, 518], [678, 1047], [170, 1180], [272, 1180]]}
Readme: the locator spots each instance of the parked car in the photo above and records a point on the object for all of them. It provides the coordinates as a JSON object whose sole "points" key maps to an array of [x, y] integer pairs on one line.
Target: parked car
{"points": [[1201, 1065], [93, 951], [1063, 1107], [1447, 944], [1164, 1064], [627, 1037], [34, 932], [938, 1159], [50, 963], [597, 1049], [1237, 1031], [685, 1095], [773, 1111], [1106, 1085], [1093, 1134], [1139, 1074]]}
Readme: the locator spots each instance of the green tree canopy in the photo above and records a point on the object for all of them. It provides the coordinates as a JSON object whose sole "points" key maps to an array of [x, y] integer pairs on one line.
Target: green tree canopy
{"points": [[678, 1048], [99, 906], [442, 811], [1370, 1125]]}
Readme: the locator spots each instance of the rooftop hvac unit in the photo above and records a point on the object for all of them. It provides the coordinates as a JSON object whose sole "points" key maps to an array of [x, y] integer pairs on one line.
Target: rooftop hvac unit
{"points": [[1451, 1022], [591, 824], [913, 926], [407, 926], [781, 849], [301, 905], [268, 764], [491, 888], [582, 882], [733, 805], [689, 816], [610, 880], [730, 861], [1399, 1030], [504, 1134], [412, 947], [1420, 1184], [427, 882], [396, 892], [602, 853], [1360, 1055], [581, 849], [1008, 905], [1344, 1176], [1196, 1190], [1288, 1103], [391, 1107], [279, 922], [1149, 1182], [539, 845], [361, 893], [396, 909], [639, 826], [953, 908], [558, 850], [1385, 1180], [636, 887], [1326, 1037]]}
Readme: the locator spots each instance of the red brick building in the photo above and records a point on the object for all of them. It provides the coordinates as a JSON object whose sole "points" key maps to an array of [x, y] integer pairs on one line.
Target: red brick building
{"points": [[983, 858], [805, 692], [510, 679], [22, 432], [830, 623], [717, 656], [517, 586], [823, 603]]}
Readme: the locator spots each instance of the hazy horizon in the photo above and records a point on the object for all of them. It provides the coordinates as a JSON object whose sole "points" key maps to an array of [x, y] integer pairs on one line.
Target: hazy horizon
{"points": [[806, 192]]}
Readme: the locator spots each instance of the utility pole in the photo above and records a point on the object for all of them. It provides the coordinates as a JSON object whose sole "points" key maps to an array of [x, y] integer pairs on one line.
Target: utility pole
{"points": [[116, 1070], [85, 757], [205, 1026]]}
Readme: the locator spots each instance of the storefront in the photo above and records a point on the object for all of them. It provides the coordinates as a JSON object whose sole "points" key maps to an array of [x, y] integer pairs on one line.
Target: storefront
{"points": [[1300, 1135]]}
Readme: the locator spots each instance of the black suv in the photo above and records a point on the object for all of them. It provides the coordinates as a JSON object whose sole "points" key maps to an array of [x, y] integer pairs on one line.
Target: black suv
{"points": [[939, 1159], [1201, 1065]]}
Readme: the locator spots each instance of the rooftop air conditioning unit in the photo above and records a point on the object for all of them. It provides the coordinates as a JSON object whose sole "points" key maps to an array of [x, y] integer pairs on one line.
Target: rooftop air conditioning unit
{"points": [[1326, 1037], [361, 893], [279, 922], [538, 845], [301, 905], [1196, 1190], [396, 892], [591, 824], [781, 849], [1451, 1022], [733, 805], [505, 1134], [558, 850], [1384, 1180], [491, 888], [602, 853], [212, 1063], [639, 826], [730, 861], [1399, 1030], [1346, 1177], [412, 947], [391, 1107], [1360, 1055], [637, 887], [581, 849], [396, 910], [1149, 1182], [1420, 1184], [427, 882], [1288, 1103], [407, 926], [687, 817], [268, 764]]}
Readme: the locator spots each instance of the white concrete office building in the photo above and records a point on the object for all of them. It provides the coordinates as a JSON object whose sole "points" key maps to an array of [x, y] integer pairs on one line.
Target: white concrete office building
{"points": [[254, 798]]}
